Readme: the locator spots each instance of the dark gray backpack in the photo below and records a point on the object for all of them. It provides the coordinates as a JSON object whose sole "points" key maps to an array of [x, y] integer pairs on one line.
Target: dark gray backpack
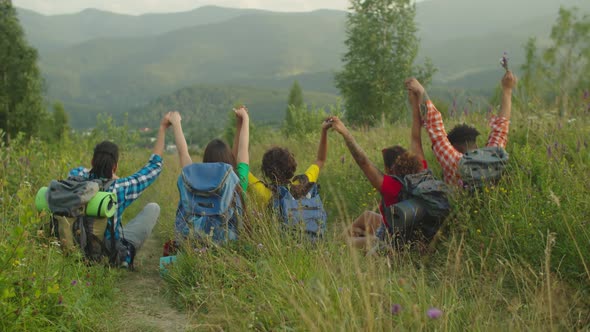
{"points": [[481, 166], [72, 223], [423, 206]]}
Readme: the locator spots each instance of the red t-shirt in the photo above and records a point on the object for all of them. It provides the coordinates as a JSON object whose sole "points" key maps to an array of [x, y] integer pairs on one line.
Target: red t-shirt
{"points": [[390, 189]]}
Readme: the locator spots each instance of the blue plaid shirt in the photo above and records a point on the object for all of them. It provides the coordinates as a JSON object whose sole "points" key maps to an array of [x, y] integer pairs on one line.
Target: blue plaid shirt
{"points": [[127, 189]]}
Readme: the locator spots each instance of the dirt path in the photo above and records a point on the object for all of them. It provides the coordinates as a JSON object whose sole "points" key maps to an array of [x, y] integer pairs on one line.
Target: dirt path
{"points": [[145, 307]]}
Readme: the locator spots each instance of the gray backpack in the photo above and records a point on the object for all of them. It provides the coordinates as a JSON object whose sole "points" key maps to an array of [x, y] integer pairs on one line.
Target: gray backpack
{"points": [[481, 166], [423, 206], [72, 223]]}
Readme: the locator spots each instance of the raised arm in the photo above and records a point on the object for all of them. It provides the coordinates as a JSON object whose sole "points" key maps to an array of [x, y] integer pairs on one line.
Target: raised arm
{"points": [[508, 83], [242, 138], [180, 141], [416, 135], [371, 172], [164, 124], [323, 147]]}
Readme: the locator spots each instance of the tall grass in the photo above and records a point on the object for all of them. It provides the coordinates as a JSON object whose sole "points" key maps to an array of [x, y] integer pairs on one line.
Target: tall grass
{"points": [[514, 256]]}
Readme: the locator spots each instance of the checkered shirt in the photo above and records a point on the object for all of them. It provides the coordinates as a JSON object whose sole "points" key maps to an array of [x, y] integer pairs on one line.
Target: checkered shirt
{"points": [[448, 157], [127, 189]]}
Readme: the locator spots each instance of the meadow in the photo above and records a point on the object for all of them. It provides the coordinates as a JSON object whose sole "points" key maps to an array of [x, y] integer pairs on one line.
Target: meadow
{"points": [[510, 257]]}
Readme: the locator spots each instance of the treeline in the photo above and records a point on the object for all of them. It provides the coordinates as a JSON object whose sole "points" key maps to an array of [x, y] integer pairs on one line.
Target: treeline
{"points": [[382, 51]]}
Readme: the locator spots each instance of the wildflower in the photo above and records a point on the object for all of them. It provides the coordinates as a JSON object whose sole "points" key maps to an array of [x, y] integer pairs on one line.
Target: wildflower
{"points": [[478, 231], [88, 283], [434, 313], [339, 289], [504, 61], [586, 94], [74, 282], [60, 299], [396, 309], [260, 246], [549, 153], [203, 250]]}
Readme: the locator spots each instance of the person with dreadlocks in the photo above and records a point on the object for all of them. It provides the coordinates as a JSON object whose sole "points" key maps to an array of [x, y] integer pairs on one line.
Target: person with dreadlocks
{"points": [[105, 163], [450, 149]]}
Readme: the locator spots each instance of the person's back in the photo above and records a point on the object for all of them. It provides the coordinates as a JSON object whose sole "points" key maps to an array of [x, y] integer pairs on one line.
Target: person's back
{"points": [[127, 239], [211, 205], [450, 149], [286, 194]]}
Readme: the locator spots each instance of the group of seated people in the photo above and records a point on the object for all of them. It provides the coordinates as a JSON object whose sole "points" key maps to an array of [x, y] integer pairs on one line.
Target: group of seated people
{"points": [[279, 165]]}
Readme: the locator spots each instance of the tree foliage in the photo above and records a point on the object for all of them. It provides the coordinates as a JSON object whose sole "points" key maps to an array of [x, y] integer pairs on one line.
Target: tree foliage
{"points": [[382, 47], [60, 122], [294, 105], [21, 103], [559, 73]]}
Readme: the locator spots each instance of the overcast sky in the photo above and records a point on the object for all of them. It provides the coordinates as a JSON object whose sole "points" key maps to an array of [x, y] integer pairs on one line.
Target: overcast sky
{"points": [[136, 7]]}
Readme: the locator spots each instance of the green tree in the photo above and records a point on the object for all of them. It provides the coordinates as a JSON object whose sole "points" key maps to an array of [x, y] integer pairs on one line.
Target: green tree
{"points": [[530, 82], [60, 122], [382, 46], [568, 58], [21, 102], [294, 103], [295, 95]]}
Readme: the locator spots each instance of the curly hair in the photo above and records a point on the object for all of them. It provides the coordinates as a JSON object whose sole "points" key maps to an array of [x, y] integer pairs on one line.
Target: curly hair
{"points": [[278, 165], [390, 155], [407, 163], [463, 134]]}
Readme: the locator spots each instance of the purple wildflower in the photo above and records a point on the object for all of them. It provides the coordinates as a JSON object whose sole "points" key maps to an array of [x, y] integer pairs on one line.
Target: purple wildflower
{"points": [[74, 282], [88, 283], [396, 309], [549, 153], [504, 61], [434, 313], [466, 111], [203, 250], [586, 94]]}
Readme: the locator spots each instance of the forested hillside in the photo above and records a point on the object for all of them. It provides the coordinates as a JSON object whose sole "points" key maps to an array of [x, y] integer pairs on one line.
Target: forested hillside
{"points": [[96, 61]]}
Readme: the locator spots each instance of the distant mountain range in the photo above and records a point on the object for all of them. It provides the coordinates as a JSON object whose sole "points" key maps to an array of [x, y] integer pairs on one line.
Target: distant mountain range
{"points": [[96, 61]]}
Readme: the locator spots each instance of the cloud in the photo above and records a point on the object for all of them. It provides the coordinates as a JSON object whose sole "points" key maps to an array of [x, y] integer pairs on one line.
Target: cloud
{"points": [[136, 7]]}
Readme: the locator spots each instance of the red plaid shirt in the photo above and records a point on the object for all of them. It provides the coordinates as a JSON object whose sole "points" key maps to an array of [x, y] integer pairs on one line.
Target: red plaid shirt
{"points": [[448, 157]]}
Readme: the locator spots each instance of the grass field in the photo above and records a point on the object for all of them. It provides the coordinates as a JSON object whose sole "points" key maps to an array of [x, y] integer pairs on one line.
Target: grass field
{"points": [[512, 257]]}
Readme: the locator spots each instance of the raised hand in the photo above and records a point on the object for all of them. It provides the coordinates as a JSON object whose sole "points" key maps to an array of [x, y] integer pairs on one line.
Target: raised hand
{"points": [[509, 80], [327, 123], [175, 118], [165, 123], [337, 125], [241, 112], [414, 87]]}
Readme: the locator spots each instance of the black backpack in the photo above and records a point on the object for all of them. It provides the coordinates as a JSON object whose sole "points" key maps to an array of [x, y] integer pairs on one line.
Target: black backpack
{"points": [[422, 208]]}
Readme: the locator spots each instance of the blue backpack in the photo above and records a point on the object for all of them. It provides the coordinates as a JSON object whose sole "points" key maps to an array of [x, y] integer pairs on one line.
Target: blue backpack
{"points": [[305, 214], [210, 207]]}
